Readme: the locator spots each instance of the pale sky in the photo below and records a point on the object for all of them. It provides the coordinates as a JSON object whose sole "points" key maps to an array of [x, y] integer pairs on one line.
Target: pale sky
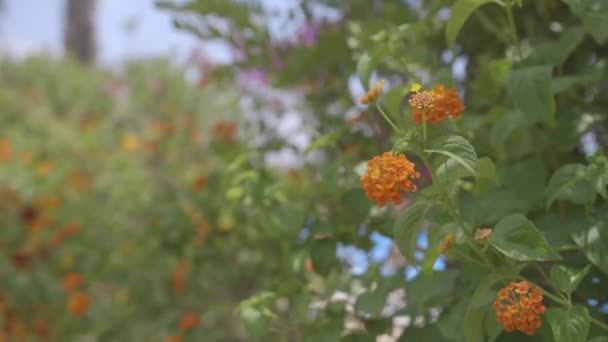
{"points": [[28, 26]]}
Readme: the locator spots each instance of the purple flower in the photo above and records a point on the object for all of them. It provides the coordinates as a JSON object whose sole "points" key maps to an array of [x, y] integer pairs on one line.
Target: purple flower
{"points": [[309, 34], [254, 77]]}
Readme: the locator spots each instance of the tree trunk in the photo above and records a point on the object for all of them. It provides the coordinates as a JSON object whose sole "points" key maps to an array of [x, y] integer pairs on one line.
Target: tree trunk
{"points": [[79, 39]]}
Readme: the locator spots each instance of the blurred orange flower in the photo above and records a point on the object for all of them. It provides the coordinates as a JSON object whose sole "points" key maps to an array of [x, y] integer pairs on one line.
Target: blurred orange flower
{"points": [[70, 229], [79, 303], [373, 94], [435, 105], [308, 266], [39, 223], [200, 182], [180, 276], [44, 167], [447, 243], [188, 321], [46, 202], [386, 176], [71, 282], [130, 143], [519, 306], [41, 328], [6, 150], [225, 131], [81, 180], [25, 158], [162, 128], [21, 259], [176, 338]]}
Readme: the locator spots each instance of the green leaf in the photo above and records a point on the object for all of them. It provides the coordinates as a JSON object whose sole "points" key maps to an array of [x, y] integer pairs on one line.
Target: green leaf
{"points": [[594, 244], [364, 69], [372, 303], [530, 90], [356, 204], [461, 11], [323, 255], [517, 238], [393, 100], [487, 169], [563, 83], [569, 324], [594, 15], [599, 339], [556, 52], [325, 141], [597, 174], [476, 314], [473, 326], [432, 253], [567, 279], [450, 320], [458, 149], [408, 226], [569, 183]]}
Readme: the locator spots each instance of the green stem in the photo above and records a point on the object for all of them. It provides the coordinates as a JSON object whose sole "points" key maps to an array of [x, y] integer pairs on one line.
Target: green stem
{"points": [[489, 25], [509, 10], [464, 256], [599, 323], [390, 122], [548, 280], [455, 216], [423, 129]]}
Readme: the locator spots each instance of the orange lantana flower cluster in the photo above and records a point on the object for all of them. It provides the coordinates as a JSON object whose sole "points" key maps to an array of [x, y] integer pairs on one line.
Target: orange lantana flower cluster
{"points": [[519, 306], [71, 282], [373, 94], [386, 176], [78, 303], [189, 321], [225, 131], [435, 105]]}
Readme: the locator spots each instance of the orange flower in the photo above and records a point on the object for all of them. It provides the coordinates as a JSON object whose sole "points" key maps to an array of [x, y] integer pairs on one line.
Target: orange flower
{"points": [[25, 158], [189, 321], [225, 131], [6, 151], [41, 328], [162, 128], [46, 202], [81, 180], [38, 224], [180, 276], [78, 303], [483, 234], [176, 338], [71, 282], [386, 175], [308, 266], [447, 243], [200, 182], [70, 229], [435, 105], [519, 306], [373, 94], [130, 143], [44, 167], [21, 259]]}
